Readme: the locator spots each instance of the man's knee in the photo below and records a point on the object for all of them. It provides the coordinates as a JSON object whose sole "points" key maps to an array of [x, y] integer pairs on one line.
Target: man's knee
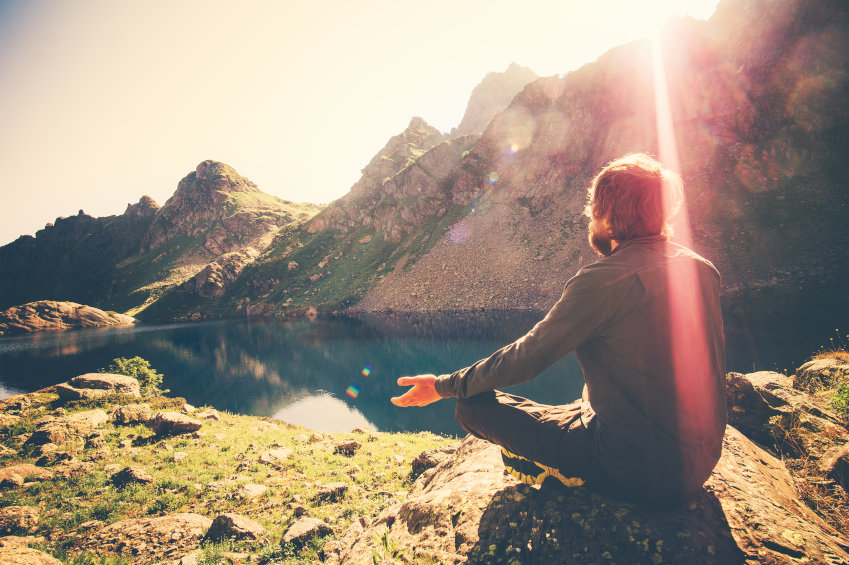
{"points": [[470, 411]]}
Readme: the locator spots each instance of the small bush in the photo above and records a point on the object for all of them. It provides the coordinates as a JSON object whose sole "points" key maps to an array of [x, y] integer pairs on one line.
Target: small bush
{"points": [[840, 401], [140, 369]]}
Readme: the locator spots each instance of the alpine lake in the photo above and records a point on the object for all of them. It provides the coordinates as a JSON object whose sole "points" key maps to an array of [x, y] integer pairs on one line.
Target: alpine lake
{"points": [[336, 374]]}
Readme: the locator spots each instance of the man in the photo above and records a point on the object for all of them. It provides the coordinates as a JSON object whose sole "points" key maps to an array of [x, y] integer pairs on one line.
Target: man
{"points": [[645, 323]]}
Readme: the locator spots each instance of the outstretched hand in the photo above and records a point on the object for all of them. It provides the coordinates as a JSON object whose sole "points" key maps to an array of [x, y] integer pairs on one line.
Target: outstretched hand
{"points": [[422, 393]]}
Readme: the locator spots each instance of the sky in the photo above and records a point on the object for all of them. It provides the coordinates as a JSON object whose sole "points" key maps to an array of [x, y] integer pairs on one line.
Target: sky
{"points": [[102, 102]]}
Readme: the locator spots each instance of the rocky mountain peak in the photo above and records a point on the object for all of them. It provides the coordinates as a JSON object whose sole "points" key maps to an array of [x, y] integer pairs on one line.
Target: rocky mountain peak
{"points": [[493, 94], [146, 207]]}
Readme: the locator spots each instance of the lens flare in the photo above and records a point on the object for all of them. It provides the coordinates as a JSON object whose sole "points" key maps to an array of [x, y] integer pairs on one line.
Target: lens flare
{"points": [[353, 391], [493, 177], [367, 371], [514, 147]]}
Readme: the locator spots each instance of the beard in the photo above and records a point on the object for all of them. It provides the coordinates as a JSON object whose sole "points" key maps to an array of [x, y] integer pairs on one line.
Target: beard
{"points": [[602, 244]]}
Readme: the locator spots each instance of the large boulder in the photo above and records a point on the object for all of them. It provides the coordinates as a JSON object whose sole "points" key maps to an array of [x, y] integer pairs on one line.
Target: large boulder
{"points": [[469, 509], [52, 315]]}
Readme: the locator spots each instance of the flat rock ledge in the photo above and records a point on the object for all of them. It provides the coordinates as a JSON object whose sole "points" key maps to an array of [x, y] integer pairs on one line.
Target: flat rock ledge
{"points": [[152, 540], [46, 315], [467, 510]]}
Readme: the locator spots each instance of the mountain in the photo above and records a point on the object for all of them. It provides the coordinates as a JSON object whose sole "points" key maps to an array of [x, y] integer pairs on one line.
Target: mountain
{"points": [[758, 103], [492, 95], [214, 224]]}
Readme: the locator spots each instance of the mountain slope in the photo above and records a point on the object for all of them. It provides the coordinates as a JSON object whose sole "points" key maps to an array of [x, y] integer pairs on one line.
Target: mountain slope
{"points": [[214, 224]]}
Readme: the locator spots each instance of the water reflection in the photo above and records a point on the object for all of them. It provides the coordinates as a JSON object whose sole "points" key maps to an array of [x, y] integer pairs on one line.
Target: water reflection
{"points": [[302, 369], [325, 413]]}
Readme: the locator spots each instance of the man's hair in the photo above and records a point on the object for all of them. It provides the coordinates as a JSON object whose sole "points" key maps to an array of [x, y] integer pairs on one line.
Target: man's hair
{"points": [[637, 196]]}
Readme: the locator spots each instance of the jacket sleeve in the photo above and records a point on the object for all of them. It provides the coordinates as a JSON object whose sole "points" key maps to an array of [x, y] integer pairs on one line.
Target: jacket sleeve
{"points": [[583, 308]]}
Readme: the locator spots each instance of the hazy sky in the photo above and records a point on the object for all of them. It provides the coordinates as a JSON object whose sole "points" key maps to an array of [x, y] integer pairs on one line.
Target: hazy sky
{"points": [[102, 102]]}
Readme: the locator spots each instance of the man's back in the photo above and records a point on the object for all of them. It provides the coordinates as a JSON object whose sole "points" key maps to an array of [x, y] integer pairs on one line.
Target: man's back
{"points": [[654, 369]]}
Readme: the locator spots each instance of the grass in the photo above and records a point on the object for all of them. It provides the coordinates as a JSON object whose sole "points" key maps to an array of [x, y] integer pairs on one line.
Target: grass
{"points": [[218, 461]]}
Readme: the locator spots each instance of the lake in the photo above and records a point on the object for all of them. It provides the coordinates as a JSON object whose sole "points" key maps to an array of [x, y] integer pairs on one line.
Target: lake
{"points": [[339, 373]]}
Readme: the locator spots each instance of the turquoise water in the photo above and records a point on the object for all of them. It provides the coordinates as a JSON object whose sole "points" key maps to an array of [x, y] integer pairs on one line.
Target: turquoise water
{"points": [[300, 371]]}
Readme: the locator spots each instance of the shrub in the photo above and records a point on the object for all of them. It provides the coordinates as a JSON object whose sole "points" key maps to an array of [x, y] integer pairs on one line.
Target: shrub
{"points": [[840, 401], [140, 369]]}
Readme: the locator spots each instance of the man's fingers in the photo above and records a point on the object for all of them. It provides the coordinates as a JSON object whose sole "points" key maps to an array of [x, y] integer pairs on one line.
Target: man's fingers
{"points": [[406, 381]]}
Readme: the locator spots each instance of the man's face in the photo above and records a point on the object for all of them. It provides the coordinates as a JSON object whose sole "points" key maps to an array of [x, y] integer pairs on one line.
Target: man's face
{"points": [[599, 236]]}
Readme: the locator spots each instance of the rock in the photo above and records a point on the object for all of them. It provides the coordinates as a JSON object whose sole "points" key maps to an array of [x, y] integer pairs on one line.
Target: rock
{"points": [[276, 457], [132, 414], [347, 448], [187, 408], [26, 556], [52, 315], [179, 456], [469, 510], [16, 474], [332, 492], [54, 458], [15, 519], [174, 533], [67, 393], [234, 526], [818, 374], [211, 414], [66, 428], [766, 407], [131, 475], [174, 423], [251, 490], [834, 464], [19, 541], [431, 458], [121, 384], [304, 530]]}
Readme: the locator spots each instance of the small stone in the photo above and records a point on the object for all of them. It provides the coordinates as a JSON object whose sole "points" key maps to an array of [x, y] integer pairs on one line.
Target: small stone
{"points": [[211, 414], [251, 490], [347, 448], [187, 408], [130, 475], [179, 456], [332, 491], [275, 456]]}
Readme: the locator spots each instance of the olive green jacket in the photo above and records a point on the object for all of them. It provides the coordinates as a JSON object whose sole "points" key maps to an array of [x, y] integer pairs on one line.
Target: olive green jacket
{"points": [[646, 325]]}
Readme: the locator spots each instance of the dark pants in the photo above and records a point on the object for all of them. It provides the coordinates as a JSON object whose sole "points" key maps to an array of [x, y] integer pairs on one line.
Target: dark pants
{"points": [[551, 435]]}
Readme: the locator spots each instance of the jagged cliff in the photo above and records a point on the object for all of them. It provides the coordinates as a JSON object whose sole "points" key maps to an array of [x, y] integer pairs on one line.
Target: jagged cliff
{"points": [[491, 96]]}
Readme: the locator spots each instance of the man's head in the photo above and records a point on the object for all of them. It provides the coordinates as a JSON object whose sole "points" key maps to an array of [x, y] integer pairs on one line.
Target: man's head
{"points": [[631, 197]]}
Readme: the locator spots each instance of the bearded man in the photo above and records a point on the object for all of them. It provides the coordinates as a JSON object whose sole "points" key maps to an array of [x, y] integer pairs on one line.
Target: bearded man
{"points": [[646, 326]]}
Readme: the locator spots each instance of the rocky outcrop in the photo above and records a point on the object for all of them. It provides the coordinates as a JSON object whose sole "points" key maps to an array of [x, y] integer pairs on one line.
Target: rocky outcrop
{"points": [[45, 315], [467, 508], [63, 429], [491, 96], [751, 509], [155, 538]]}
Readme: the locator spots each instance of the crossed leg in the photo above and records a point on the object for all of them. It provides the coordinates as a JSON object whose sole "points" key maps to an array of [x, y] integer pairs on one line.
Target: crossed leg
{"points": [[551, 435]]}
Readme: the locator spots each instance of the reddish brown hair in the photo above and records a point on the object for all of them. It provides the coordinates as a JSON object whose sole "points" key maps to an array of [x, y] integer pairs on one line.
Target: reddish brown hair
{"points": [[636, 195]]}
